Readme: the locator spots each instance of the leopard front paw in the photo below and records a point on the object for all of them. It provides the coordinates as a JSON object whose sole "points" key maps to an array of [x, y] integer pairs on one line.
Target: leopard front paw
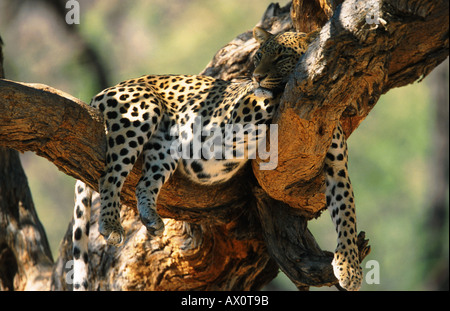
{"points": [[154, 225], [113, 233], [347, 269]]}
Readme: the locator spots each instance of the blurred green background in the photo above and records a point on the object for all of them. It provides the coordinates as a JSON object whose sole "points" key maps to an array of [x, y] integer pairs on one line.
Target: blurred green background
{"points": [[394, 159]]}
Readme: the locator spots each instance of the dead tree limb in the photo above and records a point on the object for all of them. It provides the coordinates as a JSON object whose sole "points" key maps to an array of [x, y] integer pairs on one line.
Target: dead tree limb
{"points": [[25, 258], [230, 236]]}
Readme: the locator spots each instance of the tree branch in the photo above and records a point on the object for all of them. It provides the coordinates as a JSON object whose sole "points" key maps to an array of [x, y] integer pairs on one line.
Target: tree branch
{"points": [[341, 77], [25, 258]]}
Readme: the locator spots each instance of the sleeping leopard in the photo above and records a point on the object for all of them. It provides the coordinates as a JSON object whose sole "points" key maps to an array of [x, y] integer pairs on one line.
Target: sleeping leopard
{"points": [[140, 115]]}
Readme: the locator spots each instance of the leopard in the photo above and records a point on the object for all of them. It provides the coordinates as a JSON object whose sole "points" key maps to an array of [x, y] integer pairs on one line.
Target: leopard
{"points": [[140, 116]]}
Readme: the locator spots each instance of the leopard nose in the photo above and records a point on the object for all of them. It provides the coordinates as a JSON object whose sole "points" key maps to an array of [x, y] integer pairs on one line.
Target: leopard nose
{"points": [[257, 77]]}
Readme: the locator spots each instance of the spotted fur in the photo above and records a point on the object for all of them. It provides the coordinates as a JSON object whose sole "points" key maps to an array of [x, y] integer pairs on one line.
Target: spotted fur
{"points": [[341, 206], [140, 115], [80, 236]]}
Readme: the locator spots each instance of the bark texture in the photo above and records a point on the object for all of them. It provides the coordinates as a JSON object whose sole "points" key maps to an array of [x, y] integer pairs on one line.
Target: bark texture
{"points": [[235, 236], [25, 258]]}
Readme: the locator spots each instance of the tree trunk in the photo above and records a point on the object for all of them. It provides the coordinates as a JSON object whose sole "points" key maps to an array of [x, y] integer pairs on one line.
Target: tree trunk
{"points": [[25, 258], [436, 224], [235, 236]]}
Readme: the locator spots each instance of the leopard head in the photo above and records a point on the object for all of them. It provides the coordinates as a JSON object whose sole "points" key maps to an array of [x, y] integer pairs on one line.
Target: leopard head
{"points": [[277, 56]]}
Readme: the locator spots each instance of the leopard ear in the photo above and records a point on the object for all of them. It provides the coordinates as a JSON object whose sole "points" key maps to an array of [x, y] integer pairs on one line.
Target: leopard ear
{"points": [[311, 36], [261, 35]]}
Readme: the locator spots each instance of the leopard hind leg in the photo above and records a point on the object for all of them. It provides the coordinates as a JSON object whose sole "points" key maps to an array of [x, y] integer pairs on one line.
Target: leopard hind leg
{"points": [[341, 205], [159, 165]]}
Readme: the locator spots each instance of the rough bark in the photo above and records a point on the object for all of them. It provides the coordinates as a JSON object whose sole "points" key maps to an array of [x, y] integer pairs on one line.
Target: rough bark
{"points": [[25, 258], [322, 10], [341, 77], [230, 236]]}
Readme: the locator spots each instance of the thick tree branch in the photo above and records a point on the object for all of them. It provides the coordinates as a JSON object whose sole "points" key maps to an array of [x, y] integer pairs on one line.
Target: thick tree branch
{"points": [[71, 135], [25, 258], [341, 77]]}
